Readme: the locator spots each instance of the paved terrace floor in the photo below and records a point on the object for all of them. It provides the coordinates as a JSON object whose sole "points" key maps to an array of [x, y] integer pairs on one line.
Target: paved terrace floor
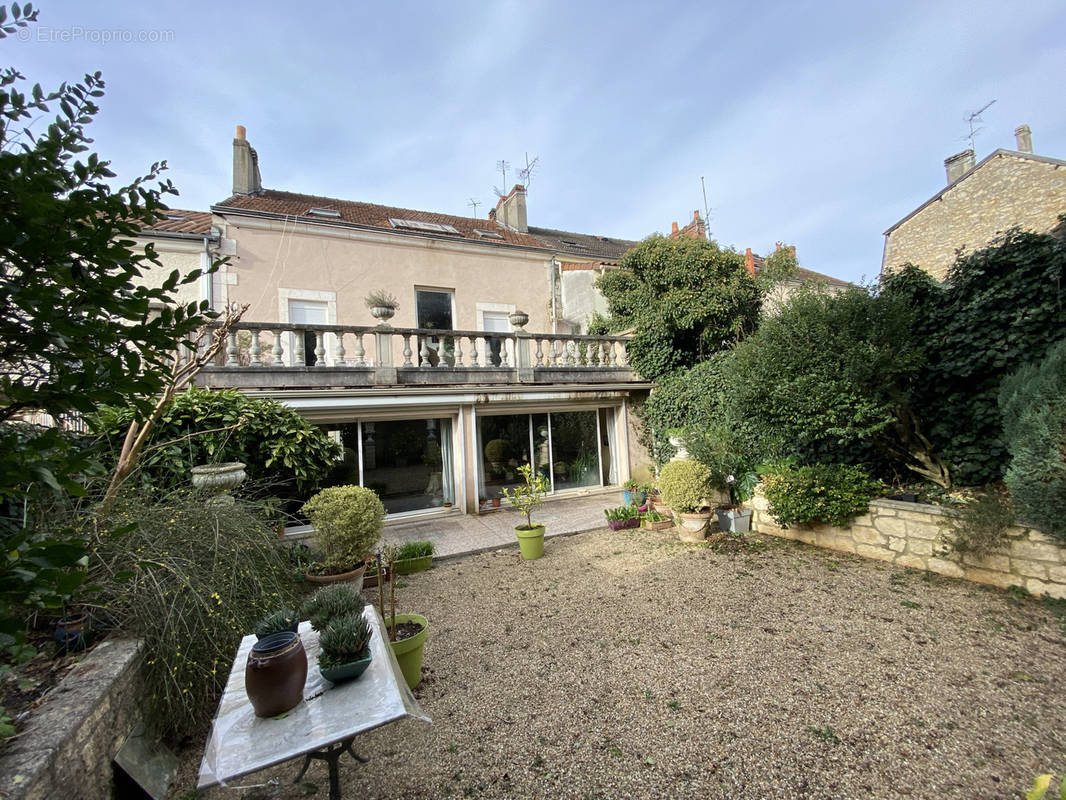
{"points": [[458, 534]]}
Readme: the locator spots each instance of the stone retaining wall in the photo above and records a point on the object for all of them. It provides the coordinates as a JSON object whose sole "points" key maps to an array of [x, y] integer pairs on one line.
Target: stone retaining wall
{"points": [[909, 535], [71, 739]]}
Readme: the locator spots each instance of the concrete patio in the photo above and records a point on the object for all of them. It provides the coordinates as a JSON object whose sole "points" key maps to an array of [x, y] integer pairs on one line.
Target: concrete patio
{"points": [[457, 534]]}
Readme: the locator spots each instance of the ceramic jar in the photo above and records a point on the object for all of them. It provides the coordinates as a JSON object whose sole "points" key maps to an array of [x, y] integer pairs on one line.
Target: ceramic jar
{"points": [[275, 674]]}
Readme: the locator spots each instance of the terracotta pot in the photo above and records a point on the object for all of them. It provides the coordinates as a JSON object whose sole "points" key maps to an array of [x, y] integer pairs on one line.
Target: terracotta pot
{"points": [[495, 502], [354, 576], [275, 674], [693, 527]]}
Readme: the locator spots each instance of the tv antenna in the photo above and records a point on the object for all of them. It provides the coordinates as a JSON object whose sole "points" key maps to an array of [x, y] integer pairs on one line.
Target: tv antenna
{"points": [[975, 117], [503, 166], [474, 204], [706, 208], [526, 175]]}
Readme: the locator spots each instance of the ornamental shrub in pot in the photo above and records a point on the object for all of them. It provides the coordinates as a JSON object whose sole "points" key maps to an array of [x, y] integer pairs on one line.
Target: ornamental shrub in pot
{"points": [[525, 498], [686, 487], [347, 522]]}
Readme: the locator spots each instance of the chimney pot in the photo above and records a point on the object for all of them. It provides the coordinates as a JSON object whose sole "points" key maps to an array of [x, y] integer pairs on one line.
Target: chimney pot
{"points": [[1024, 138], [696, 214], [958, 165], [246, 177], [673, 229], [241, 133]]}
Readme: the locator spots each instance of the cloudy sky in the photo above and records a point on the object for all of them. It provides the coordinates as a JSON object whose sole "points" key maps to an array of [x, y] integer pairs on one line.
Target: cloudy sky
{"points": [[816, 124]]}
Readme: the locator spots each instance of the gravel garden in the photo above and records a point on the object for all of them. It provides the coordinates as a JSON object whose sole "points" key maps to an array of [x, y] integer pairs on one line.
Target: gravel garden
{"points": [[626, 664]]}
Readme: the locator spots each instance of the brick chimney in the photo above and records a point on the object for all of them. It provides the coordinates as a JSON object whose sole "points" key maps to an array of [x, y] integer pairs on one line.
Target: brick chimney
{"points": [[674, 232], [246, 178], [511, 209], [958, 165], [1024, 137], [749, 261]]}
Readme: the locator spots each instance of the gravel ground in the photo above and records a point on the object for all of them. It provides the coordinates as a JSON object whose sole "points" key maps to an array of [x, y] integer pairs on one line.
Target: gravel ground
{"points": [[628, 665]]}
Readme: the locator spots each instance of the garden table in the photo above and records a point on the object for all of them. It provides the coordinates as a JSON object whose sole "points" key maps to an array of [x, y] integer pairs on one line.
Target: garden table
{"points": [[323, 726]]}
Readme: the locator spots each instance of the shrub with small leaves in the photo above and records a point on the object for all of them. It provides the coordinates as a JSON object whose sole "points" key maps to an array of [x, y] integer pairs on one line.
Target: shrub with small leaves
{"points": [[347, 522], [344, 640], [979, 528], [332, 602], [276, 622], [685, 485], [833, 493]]}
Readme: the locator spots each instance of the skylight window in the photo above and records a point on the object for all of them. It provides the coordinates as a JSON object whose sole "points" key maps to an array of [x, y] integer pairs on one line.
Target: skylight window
{"points": [[575, 245], [487, 234], [324, 212], [175, 217], [425, 227]]}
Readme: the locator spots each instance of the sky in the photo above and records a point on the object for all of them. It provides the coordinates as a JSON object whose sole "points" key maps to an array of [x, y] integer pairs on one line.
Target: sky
{"points": [[813, 124]]}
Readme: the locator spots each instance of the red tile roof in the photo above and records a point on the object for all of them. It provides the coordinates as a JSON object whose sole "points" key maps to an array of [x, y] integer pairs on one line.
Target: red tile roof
{"points": [[180, 221], [291, 204]]}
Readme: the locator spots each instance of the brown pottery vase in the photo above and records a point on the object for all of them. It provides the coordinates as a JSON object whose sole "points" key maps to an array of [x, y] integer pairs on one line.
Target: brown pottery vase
{"points": [[275, 674]]}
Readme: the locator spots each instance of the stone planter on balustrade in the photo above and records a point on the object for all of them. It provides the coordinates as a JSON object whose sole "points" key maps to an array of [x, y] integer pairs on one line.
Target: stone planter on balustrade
{"points": [[908, 535]]}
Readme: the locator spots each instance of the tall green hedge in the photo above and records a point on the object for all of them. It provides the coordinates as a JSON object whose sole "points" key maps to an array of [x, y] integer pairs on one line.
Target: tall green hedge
{"points": [[1033, 405]]}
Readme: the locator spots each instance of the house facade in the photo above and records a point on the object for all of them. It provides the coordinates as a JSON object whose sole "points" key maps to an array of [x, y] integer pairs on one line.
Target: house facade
{"points": [[436, 406], [981, 200]]}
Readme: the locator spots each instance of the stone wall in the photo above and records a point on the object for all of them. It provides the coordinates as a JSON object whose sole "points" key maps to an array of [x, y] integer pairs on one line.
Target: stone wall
{"points": [[909, 535], [1007, 190], [71, 738]]}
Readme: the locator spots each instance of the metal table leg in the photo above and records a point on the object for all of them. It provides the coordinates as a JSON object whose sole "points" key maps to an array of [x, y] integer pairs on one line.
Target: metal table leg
{"points": [[331, 755]]}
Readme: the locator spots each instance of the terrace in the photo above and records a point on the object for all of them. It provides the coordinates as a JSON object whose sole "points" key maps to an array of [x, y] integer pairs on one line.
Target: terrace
{"points": [[270, 355]]}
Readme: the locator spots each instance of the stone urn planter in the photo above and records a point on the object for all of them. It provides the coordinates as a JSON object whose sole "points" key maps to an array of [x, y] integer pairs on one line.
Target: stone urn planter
{"points": [[218, 479], [693, 527], [382, 313], [519, 318], [679, 444]]}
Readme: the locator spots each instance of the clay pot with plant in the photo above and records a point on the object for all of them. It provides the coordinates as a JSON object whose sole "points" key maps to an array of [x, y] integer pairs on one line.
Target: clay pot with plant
{"points": [[347, 522], [407, 632], [686, 488], [525, 497]]}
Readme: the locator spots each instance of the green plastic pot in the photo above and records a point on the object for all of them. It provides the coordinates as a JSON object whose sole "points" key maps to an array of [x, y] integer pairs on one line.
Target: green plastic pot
{"points": [[407, 566], [409, 651], [531, 542]]}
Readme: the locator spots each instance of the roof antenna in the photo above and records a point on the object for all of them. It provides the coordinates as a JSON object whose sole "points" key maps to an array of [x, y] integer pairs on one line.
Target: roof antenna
{"points": [[474, 204], [706, 208], [526, 175], [976, 117], [503, 166]]}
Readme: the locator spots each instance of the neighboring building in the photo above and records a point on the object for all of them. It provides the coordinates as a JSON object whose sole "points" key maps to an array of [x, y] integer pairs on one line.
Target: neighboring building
{"points": [[1007, 188], [438, 407], [183, 241], [780, 293]]}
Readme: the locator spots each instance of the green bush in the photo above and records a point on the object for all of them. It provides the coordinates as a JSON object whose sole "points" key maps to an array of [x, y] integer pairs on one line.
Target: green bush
{"points": [[833, 493], [347, 522], [281, 449], [1033, 405], [979, 527], [685, 485], [191, 580]]}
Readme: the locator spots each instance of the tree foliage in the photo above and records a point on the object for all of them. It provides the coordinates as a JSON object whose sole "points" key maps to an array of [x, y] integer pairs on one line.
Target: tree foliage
{"points": [[1033, 405], [75, 327], [685, 298]]}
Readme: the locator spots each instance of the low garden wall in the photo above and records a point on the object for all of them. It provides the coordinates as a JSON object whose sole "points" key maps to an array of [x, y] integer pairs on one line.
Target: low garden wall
{"points": [[71, 738], [909, 535]]}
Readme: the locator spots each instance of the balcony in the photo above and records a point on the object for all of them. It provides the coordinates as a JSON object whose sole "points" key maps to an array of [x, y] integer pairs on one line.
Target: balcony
{"points": [[268, 355]]}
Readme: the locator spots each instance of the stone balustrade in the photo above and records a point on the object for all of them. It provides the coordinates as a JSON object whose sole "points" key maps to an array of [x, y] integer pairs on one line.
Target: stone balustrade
{"points": [[262, 354]]}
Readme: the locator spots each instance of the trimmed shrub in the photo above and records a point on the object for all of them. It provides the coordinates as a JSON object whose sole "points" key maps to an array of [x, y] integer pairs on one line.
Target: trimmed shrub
{"points": [[685, 485], [347, 522], [1033, 404], [833, 493]]}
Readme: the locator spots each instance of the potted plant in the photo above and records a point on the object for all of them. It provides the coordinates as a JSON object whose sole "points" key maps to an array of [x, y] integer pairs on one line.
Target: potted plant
{"points": [[331, 602], [347, 522], [382, 305], [654, 521], [284, 619], [622, 517], [634, 493], [72, 631], [735, 518], [407, 632], [525, 498], [685, 486], [414, 557], [344, 648]]}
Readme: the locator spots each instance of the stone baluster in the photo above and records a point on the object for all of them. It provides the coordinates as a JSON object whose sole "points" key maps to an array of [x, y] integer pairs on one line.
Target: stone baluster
{"points": [[473, 353], [458, 351], [320, 349], [232, 350], [407, 352], [256, 350], [505, 362], [278, 351], [623, 355], [539, 353], [339, 350], [424, 352], [571, 353], [298, 358], [610, 354], [360, 352]]}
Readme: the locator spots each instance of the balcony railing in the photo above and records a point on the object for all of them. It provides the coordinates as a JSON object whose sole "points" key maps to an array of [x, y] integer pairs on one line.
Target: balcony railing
{"points": [[267, 355]]}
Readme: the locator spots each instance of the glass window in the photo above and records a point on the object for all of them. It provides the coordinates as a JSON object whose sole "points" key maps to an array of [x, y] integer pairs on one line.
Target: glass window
{"points": [[434, 310], [575, 449], [504, 443]]}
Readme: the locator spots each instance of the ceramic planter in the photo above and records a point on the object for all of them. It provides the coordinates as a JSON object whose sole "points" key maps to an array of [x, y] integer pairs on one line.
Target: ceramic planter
{"points": [[633, 497], [354, 576], [409, 651], [275, 674], [619, 524], [738, 521], [72, 632], [349, 671], [531, 542], [693, 527]]}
